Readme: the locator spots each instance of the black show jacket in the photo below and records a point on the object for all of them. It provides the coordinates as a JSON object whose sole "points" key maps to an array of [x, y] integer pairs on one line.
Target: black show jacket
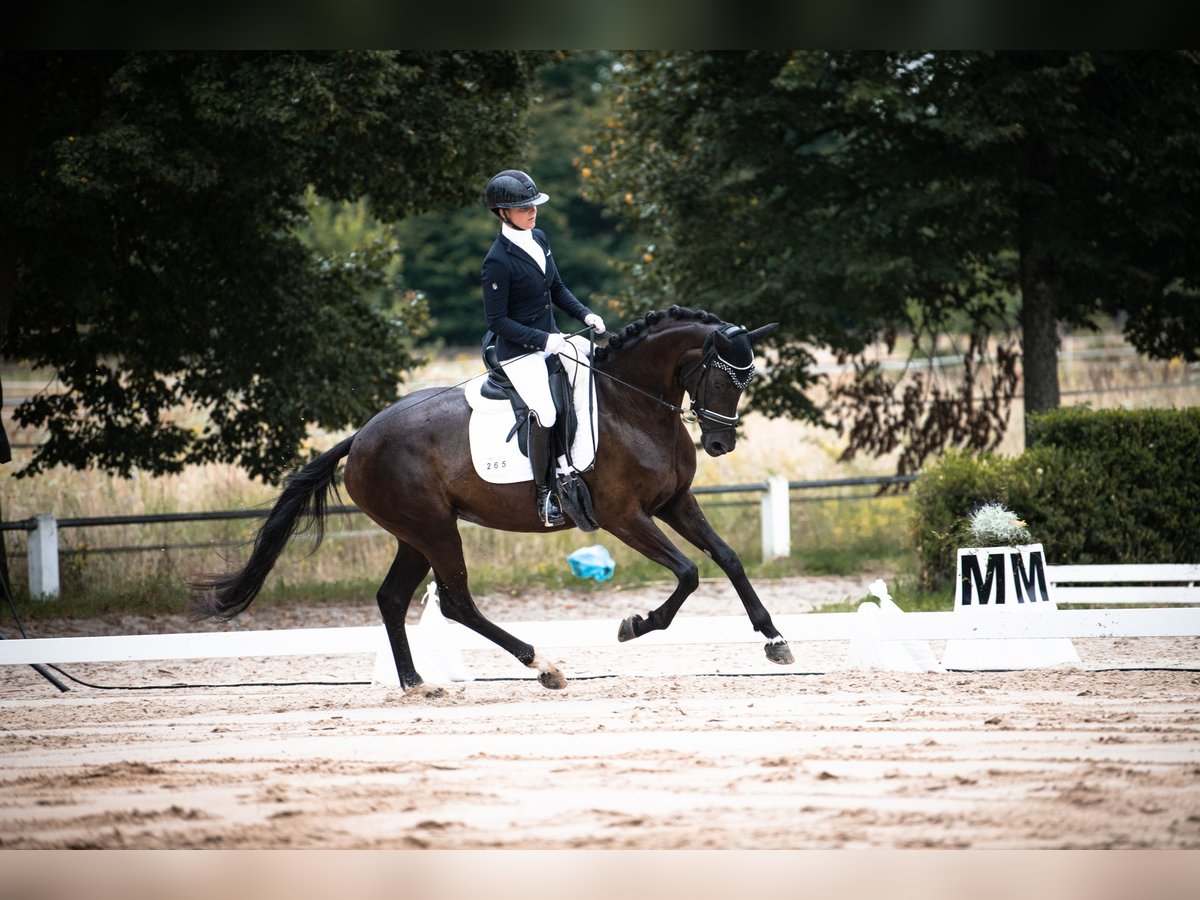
{"points": [[517, 297]]}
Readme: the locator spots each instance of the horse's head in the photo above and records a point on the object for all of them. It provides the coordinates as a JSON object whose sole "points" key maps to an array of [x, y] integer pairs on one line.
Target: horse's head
{"points": [[716, 383]]}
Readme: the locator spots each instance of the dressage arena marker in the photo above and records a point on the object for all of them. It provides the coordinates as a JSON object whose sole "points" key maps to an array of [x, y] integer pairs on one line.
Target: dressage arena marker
{"points": [[439, 642], [1005, 582]]}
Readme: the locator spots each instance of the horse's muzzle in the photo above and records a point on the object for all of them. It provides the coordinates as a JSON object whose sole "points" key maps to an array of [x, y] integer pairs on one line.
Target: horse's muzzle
{"points": [[718, 443]]}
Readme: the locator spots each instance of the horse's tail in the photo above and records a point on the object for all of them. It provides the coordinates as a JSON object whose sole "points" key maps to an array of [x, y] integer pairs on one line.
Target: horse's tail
{"points": [[302, 501]]}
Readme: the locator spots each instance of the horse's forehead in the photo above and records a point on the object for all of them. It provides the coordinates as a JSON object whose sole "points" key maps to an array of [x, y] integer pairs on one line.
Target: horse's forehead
{"points": [[739, 352]]}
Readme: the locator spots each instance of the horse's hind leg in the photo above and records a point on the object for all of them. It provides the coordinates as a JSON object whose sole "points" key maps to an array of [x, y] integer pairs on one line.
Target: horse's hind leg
{"points": [[457, 604], [686, 517], [394, 596]]}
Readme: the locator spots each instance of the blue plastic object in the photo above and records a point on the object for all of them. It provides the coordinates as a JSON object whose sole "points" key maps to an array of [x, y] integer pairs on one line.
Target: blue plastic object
{"points": [[592, 562]]}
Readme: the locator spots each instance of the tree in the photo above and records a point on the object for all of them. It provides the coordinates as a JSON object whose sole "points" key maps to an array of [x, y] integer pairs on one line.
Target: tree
{"points": [[152, 232], [858, 197], [346, 234], [444, 249]]}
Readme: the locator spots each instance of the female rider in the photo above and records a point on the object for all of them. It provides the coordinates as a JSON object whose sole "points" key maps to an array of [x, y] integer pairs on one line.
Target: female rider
{"points": [[520, 282]]}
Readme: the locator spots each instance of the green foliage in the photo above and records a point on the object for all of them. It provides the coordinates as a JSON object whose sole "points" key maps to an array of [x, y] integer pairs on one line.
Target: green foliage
{"points": [[345, 235], [855, 196], [942, 499], [1113, 486], [445, 248], [151, 218], [1134, 472]]}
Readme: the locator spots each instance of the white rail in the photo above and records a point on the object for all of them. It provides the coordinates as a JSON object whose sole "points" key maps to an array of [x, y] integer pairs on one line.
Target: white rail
{"points": [[1106, 585], [1063, 623]]}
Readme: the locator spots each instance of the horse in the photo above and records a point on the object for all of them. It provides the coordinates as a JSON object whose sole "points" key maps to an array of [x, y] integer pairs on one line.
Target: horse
{"points": [[409, 469]]}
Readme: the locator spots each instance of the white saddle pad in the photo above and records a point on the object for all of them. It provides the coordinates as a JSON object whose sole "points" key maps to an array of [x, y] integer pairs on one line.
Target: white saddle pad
{"points": [[500, 461]]}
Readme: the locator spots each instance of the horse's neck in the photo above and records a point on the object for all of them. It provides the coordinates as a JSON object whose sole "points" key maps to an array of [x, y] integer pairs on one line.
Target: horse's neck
{"points": [[653, 362]]}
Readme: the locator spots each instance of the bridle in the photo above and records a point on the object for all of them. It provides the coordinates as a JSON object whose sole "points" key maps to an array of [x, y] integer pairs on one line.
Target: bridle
{"points": [[711, 359], [697, 412]]}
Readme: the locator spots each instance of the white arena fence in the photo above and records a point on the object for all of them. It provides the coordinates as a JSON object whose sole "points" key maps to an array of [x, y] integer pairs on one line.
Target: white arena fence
{"points": [[883, 640], [442, 643]]}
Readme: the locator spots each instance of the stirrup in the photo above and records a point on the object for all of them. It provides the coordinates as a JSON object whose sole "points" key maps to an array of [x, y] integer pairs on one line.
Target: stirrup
{"points": [[549, 509]]}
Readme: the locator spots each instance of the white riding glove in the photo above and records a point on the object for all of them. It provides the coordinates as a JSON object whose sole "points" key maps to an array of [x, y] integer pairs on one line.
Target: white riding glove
{"points": [[595, 322], [555, 343]]}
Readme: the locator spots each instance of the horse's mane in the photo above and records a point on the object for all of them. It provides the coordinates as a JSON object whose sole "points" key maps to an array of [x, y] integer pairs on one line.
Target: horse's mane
{"points": [[648, 322]]}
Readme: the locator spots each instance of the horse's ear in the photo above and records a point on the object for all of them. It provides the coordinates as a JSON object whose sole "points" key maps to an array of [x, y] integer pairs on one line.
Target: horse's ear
{"points": [[759, 333]]}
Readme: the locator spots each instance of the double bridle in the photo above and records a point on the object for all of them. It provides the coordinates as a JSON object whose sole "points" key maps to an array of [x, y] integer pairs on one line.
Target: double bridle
{"points": [[711, 359]]}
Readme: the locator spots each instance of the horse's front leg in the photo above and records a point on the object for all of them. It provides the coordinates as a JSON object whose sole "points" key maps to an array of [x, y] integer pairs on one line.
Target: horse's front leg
{"points": [[685, 516], [640, 533]]}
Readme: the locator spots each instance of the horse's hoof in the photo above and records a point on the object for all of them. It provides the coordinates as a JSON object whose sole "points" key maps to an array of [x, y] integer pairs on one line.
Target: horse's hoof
{"points": [[548, 673], [626, 632], [423, 691], [779, 652]]}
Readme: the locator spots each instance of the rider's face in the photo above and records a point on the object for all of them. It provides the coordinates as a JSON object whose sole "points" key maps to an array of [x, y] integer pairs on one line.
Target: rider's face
{"points": [[524, 217]]}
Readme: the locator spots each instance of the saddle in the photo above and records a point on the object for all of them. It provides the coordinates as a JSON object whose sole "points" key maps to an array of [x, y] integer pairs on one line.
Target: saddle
{"points": [[573, 494], [499, 387]]}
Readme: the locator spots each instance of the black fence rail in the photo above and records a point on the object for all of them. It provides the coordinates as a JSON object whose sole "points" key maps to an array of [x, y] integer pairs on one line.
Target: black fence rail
{"points": [[756, 487], [42, 548]]}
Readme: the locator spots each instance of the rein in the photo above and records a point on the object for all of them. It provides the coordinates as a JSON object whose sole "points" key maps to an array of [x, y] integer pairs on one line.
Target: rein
{"points": [[740, 375], [633, 387], [696, 412]]}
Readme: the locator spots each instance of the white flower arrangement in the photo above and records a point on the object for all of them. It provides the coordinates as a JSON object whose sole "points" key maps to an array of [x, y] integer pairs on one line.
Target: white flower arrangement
{"points": [[994, 525]]}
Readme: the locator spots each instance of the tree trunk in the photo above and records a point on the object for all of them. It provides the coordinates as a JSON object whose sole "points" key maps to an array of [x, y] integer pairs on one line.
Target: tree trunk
{"points": [[8, 277], [1039, 281], [5, 456], [1039, 337]]}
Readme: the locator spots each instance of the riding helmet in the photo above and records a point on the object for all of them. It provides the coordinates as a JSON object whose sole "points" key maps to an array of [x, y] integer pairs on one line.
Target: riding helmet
{"points": [[513, 189]]}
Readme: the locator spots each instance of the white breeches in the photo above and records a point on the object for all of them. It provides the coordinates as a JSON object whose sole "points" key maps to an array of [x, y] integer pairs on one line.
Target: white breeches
{"points": [[531, 379]]}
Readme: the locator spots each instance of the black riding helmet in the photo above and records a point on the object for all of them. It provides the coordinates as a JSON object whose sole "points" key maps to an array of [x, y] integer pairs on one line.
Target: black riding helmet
{"points": [[513, 189]]}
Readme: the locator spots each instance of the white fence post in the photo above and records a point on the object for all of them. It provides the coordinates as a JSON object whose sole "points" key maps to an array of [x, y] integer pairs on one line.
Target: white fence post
{"points": [[43, 558], [776, 520]]}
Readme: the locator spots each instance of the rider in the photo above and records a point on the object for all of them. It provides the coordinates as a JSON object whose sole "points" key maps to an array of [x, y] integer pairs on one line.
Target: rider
{"points": [[520, 282]]}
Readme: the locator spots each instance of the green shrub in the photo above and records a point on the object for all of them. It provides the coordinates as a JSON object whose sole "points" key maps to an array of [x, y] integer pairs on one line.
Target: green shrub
{"points": [[1111, 486], [945, 496]]}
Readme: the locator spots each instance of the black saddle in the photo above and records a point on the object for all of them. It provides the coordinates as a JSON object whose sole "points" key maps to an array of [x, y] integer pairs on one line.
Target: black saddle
{"points": [[499, 387]]}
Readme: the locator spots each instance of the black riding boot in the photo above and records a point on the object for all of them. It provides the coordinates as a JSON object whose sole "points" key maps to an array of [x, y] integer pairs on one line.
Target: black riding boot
{"points": [[548, 507]]}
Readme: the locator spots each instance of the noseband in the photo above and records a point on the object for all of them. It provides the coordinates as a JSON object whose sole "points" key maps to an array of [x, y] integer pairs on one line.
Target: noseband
{"points": [[711, 359]]}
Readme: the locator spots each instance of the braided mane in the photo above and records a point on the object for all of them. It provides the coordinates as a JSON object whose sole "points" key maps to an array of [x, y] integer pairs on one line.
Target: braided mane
{"points": [[647, 323]]}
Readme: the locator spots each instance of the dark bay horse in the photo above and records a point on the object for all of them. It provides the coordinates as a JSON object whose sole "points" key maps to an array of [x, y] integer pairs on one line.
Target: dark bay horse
{"points": [[410, 470]]}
